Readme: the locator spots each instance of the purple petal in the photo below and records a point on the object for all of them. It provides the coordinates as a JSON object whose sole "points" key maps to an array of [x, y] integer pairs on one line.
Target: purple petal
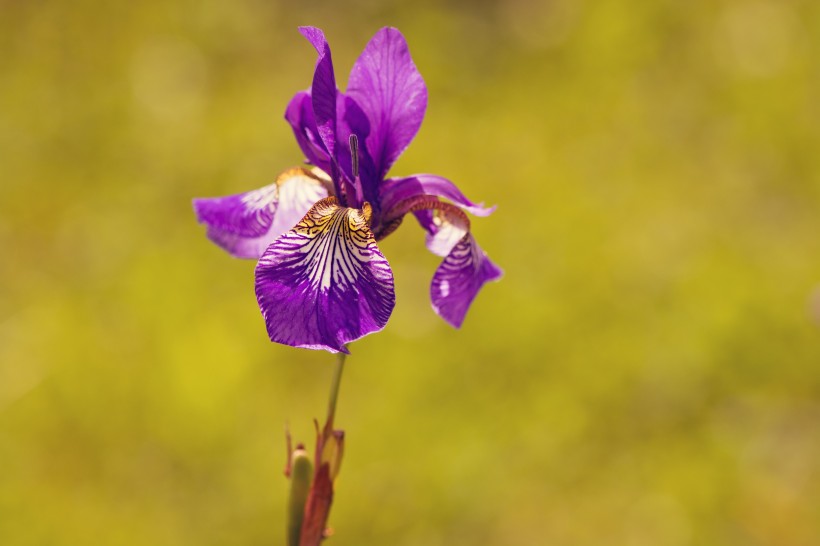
{"points": [[246, 223], [459, 278], [325, 283], [352, 120], [396, 190], [388, 87], [323, 91], [325, 99], [465, 268], [299, 114]]}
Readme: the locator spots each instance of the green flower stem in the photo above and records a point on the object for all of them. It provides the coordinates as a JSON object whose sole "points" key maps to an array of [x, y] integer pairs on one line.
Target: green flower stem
{"points": [[334, 390]]}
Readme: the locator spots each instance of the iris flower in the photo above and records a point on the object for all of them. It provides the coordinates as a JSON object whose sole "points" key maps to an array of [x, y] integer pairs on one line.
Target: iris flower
{"points": [[321, 280]]}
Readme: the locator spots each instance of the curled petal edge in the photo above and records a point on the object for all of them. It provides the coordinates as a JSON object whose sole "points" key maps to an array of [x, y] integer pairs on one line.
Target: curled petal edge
{"points": [[394, 191]]}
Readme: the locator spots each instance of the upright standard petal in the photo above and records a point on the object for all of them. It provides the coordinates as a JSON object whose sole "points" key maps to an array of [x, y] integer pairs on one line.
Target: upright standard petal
{"points": [[323, 91], [325, 283], [325, 99], [246, 223], [390, 90], [299, 114]]}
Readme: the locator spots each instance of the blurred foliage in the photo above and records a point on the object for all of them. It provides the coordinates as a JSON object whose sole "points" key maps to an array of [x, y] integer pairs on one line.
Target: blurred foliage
{"points": [[645, 374]]}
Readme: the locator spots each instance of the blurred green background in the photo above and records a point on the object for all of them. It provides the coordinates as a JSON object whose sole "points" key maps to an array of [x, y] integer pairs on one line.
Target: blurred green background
{"points": [[647, 372]]}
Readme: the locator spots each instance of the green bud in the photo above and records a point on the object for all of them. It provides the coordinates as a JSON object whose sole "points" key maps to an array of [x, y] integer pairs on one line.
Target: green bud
{"points": [[300, 478]]}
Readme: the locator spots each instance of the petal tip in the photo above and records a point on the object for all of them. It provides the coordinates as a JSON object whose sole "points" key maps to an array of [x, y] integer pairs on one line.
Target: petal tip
{"points": [[316, 37], [197, 204], [481, 210], [492, 273], [306, 30], [454, 321], [390, 31]]}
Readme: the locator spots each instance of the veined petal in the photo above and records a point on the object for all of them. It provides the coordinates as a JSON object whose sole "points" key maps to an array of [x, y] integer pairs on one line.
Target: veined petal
{"points": [[459, 278], [388, 87], [246, 223], [465, 269], [395, 190], [325, 283], [299, 114]]}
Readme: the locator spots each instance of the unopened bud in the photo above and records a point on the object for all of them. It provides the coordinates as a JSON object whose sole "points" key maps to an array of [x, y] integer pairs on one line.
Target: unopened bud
{"points": [[300, 477]]}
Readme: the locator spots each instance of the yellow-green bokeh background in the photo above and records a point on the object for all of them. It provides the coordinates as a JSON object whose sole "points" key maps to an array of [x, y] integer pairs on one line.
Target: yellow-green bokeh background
{"points": [[647, 373]]}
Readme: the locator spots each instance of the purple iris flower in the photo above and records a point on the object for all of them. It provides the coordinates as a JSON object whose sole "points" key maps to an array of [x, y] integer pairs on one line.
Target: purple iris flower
{"points": [[321, 281]]}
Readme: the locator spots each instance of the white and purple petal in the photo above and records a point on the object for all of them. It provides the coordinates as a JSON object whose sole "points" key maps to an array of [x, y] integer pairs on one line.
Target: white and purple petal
{"points": [[385, 83], [459, 278], [245, 224], [445, 228], [325, 283], [466, 267]]}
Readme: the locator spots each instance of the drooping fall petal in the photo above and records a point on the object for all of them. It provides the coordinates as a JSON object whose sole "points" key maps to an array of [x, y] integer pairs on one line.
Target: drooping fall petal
{"points": [[246, 223], [466, 267], [459, 278], [325, 283]]}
